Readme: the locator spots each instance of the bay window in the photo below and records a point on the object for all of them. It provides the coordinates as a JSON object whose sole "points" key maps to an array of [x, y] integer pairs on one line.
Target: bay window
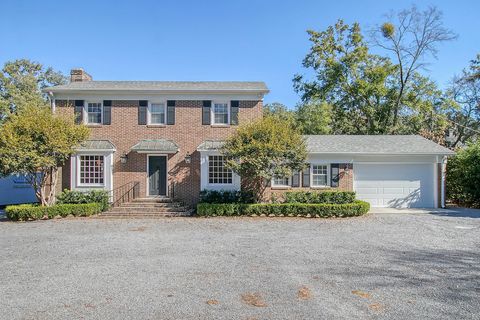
{"points": [[218, 173], [91, 169]]}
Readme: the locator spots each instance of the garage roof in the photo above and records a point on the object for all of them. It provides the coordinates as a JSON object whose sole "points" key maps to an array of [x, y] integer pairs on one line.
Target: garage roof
{"points": [[360, 144], [374, 144]]}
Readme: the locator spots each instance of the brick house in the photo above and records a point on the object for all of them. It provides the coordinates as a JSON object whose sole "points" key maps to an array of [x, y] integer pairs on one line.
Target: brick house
{"points": [[165, 138]]}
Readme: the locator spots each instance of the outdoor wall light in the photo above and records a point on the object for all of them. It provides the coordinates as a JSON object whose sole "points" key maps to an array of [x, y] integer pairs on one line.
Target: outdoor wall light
{"points": [[124, 158], [188, 158]]}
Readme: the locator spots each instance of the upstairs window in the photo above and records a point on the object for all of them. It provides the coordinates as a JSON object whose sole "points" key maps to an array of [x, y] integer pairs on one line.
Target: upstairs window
{"points": [[220, 113], [91, 170], [94, 113], [157, 113], [319, 175], [218, 173]]}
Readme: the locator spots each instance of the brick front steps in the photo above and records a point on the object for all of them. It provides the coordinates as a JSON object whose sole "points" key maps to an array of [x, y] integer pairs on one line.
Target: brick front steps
{"points": [[148, 207]]}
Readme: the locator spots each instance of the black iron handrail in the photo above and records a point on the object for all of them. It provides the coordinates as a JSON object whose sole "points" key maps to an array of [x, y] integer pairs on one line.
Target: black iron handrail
{"points": [[125, 193]]}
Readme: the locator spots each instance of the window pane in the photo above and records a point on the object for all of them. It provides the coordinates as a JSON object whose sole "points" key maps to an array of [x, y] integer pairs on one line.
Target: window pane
{"points": [[157, 107], [91, 169], [220, 111], [94, 111], [319, 175], [157, 118], [217, 172]]}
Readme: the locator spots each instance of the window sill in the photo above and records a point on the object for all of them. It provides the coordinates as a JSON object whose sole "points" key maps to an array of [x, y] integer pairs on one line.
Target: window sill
{"points": [[156, 125], [320, 187], [280, 187], [220, 125], [93, 125]]}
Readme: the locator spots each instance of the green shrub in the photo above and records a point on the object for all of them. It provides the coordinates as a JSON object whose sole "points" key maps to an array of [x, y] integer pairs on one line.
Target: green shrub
{"points": [[24, 212], [332, 197], [91, 196], [226, 196], [324, 210]]}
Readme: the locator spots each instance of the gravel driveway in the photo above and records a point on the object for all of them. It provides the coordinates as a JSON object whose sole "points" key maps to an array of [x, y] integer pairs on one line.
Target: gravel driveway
{"points": [[408, 265]]}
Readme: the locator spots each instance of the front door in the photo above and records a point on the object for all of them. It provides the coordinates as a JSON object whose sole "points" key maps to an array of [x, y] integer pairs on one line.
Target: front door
{"points": [[157, 176]]}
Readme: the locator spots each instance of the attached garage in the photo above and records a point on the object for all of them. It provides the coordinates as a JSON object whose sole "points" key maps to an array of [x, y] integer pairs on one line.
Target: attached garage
{"points": [[396, 185]]}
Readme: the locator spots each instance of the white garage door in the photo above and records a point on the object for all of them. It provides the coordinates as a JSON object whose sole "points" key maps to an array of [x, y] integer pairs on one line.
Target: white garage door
{"points": [[395, 185]]}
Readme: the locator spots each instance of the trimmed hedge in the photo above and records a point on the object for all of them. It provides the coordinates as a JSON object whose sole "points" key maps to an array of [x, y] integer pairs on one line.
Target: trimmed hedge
{"points": [[323, 210], [24, 212], [226, 196], [91, 196], [333, 197]]}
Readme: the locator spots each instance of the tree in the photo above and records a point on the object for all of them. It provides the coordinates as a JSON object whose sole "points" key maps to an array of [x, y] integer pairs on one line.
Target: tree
{"points": [[463, 175], [21, 82], [314, 117], [465, 114], [34, 142], [280, 110], [267, 148], [410, 36]]}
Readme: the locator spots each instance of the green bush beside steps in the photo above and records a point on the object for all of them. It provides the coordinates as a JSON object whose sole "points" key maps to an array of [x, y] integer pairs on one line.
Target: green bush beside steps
{"points": [[322, 210], [25, 212]]}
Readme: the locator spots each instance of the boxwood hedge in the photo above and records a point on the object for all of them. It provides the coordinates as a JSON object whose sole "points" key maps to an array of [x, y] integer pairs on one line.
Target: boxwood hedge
{"points": [[323, 210], [24, 212], [334, 197]]}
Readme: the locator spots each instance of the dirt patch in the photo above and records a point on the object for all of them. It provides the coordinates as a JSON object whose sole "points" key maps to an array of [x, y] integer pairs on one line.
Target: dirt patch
{"points": [[253, 299], [212, 302], [304, 293], [377, 307], [362, 294], [140, 229]]}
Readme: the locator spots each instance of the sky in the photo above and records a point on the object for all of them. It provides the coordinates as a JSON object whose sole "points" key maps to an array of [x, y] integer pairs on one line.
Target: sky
{"points": [[206, 40]]}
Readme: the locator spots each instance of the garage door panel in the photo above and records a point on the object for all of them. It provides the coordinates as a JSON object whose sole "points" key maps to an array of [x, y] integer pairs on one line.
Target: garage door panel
{"points": [[395, 185]]}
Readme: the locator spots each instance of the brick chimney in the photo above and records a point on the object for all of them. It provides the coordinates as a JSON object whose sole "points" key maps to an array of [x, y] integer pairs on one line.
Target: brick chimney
{"points": [[79, 75]]}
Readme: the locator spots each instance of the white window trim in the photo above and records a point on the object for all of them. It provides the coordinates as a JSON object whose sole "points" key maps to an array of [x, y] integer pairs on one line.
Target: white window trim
{"points": [[329, 182], [149, 113], [85, 113], [208, 174], [288, 185], [79, 184], [212, 113]]}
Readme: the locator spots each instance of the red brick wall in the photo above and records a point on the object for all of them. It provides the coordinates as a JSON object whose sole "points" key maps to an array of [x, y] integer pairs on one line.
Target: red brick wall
{"points": [[345, 183], [188, 132]]}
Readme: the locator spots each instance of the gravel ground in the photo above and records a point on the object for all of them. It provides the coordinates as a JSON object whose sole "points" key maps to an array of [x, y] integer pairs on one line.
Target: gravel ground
{"points": [[407, 265]]}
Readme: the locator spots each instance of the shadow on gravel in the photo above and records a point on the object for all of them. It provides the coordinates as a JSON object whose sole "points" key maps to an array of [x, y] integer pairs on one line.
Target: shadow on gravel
{"points": [[457, 213], [445, 277]]}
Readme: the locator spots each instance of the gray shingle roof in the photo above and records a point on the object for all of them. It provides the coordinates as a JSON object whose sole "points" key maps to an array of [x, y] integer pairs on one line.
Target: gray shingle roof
{"points": [[158, 145], [374, 144], [96, 145], [210, 145], [360, 144], [169, 86]]}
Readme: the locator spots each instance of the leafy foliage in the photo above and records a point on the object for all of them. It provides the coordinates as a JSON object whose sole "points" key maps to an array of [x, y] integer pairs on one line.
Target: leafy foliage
{"points": [[226, 196], [34, 142], [333, 197], [463, 176], [314, 117], [21, 82], [91, 196], [263, 149], [323, 210], [24, 212]]}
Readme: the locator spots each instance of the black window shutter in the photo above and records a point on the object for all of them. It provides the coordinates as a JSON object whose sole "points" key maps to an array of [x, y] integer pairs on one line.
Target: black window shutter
{"points": [[334, 174], [142, 112], [207, 105], [296, 179], [234, 105], [78, 111], [306, 177], [170, 111], [107, 111]]}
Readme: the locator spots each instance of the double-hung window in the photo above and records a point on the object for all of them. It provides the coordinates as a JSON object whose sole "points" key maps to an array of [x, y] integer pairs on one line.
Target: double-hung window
{"points": [[157, 113], [221, 113], [319, 175], [94, 113], [280, 182], [91, 169], [218, 173]]}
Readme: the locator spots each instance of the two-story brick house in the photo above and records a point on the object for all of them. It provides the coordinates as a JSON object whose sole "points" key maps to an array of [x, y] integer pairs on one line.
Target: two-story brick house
{"points": [[165, 138]]}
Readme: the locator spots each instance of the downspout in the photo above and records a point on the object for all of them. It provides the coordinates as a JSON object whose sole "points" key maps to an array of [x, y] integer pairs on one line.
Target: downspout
{"points": [[442, 187], [52, 101]]}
